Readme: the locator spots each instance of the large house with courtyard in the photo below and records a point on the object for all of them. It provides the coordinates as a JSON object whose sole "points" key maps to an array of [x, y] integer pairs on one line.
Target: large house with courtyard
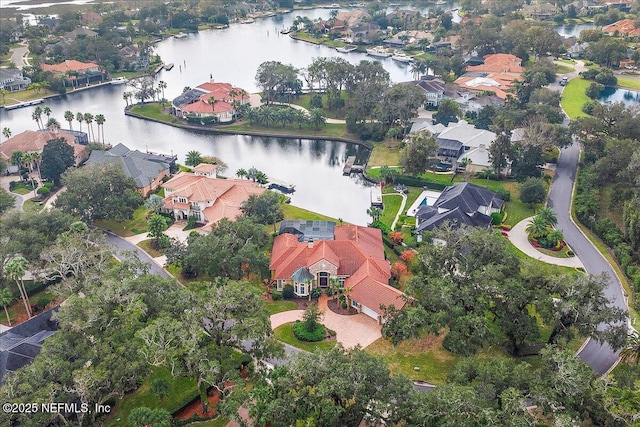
{"points": [[353, 259], [219, 101], [207, 198]]}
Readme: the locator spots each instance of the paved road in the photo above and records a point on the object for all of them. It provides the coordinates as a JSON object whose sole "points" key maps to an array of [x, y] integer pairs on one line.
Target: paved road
{"points": [[599, 356], [19, 201], [17, 56], [123, 246]]}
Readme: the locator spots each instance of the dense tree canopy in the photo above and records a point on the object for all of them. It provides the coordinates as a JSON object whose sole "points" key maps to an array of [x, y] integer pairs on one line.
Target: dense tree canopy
{"points": [[99, 191], [57, 157], [6, 200], [419, 152], [263, 209]]}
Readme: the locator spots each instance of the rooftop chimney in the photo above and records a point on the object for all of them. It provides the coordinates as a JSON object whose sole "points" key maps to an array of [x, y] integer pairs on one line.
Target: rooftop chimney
{"points": [[310, 244]]}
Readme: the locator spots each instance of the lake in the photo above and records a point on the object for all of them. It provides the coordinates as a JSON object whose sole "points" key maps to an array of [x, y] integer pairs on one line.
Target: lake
{"points": [[628, 97]]}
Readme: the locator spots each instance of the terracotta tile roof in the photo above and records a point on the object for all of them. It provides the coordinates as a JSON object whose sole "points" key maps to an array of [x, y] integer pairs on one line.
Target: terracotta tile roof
{"points": [[222, 91], [227, 195], [369, 288], [323, 251], [205, 168], [31, 141], [68, 65], [499, 63], [624, 26], [202, 106]]}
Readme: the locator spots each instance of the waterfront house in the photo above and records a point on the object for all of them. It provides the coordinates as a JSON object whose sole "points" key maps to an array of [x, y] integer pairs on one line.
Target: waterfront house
{"points": [[623, 27], [12, 79], [497, 74], [76, 72], [217, 100], [460, 203], [353, 258], [433, 89], [31, 141], [540, 11], [205, 197], [146, 169]]}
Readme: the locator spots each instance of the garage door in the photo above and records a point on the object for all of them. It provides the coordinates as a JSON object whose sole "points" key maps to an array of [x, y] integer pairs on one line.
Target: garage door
{"points": [[369, 312]]}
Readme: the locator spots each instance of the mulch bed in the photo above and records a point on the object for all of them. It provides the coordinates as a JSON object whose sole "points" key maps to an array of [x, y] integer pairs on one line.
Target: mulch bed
{"points": [[337, 308], [195, 408]]}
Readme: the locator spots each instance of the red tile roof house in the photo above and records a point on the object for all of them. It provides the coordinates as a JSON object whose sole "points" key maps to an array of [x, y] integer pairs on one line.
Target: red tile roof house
{"points": [[31, 141], [76, 72], [355, 257], [210, 99], [205, 197]]}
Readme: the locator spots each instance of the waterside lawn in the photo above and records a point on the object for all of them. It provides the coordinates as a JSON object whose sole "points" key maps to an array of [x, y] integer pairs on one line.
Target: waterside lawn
{"points": [[573, 97]]}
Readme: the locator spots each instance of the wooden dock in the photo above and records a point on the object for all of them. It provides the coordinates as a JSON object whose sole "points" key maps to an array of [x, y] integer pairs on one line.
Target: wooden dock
{"points": [[350, 167]]}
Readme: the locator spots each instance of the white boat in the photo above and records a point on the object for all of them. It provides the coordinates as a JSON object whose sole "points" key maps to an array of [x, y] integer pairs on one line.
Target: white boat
{"points": [[378, 52], [248, 21], [180, 36], [118, 81], [346, 49], [401, 57], [285, 31]]}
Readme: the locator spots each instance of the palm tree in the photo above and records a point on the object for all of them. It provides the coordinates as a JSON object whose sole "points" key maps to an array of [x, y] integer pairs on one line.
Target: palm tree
{"points": [[162, 85], [6, 132], [6, 298], [100, 122], [68, 116], [241, 173], [316, 118], [548, 216], [52, 122], [37, 116], [125, 96], [37, 158], [375, 213], [194, 158], [555, 237], [80, 118], [3, 93], [15, 270], [47, 111], [88, 117], [537, 228], [418, 67], [631, 351]]}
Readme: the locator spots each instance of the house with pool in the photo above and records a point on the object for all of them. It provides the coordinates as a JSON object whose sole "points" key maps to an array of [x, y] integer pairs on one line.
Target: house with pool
{"points": [[460, 203], [352, 257]]}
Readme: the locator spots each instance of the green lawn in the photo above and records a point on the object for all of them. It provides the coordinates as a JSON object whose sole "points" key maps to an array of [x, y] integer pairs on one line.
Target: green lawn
{"points": [[564, 69], [218, 422], [32, 205], [22, 190], [573, 97], [425, 353], [628, 83], [385, 153], [26, 95], [130, 227], [280, 306], [154, 111], [391, 203], [145, 245], [305, 102], [293, 212], [183, 390], [285, 334]]}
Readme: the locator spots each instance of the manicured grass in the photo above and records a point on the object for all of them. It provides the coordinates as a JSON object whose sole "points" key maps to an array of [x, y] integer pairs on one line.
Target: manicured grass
{"points": [[573, 97], [385, 153], [129, 227], [183, 390], [425, 353], [26, 95], [218, 422], [542, 267], [293, 212], [563, 69], [22, 190], [145, 245], [305, 102], [279, 306], [629, 83], [567, 61], [154, 111], [285, 334], [392, 202], [324, 40], [32, 205]]}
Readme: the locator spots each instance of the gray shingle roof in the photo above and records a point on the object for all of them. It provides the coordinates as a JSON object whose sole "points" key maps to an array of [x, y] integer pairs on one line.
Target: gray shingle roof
{"points": [[469, 197], [454, 216], [302, 275]]}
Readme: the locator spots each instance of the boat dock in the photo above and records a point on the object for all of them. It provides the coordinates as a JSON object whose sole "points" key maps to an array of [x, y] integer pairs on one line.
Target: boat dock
{"points": [[281, 186], [350, 167], [376, 196], [23, 104]]}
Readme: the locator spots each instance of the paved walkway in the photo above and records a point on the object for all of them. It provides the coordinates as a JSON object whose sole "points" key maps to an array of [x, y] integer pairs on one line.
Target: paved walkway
{"points": [[518, 236], [175, 231], [358, 329], [402, 205], [298, 107]]}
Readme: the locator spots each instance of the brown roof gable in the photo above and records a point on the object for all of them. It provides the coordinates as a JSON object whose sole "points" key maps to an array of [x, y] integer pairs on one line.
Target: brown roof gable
{"points": [[31, 141]]}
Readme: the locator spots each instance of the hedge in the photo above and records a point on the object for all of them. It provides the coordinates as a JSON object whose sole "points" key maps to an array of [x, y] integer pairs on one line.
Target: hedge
{"points": [[300, 332], [419, 182]]}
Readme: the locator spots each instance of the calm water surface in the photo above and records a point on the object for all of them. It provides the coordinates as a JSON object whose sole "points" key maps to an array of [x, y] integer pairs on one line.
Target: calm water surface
{"points": [[233, 55], [628, 97]]}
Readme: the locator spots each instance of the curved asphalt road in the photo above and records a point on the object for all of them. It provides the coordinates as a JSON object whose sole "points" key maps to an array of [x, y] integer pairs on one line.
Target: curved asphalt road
{"points": [[123, 246], [600, 357]]}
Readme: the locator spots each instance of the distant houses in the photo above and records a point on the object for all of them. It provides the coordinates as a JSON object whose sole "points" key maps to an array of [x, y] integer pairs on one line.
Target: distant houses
{"points": [[31, 141], [75, 72], [216, 101], [12, 79], [496, 74]]}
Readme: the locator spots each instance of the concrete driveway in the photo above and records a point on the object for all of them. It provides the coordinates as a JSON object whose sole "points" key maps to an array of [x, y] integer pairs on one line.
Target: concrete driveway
{"points": [[351, 331]]}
